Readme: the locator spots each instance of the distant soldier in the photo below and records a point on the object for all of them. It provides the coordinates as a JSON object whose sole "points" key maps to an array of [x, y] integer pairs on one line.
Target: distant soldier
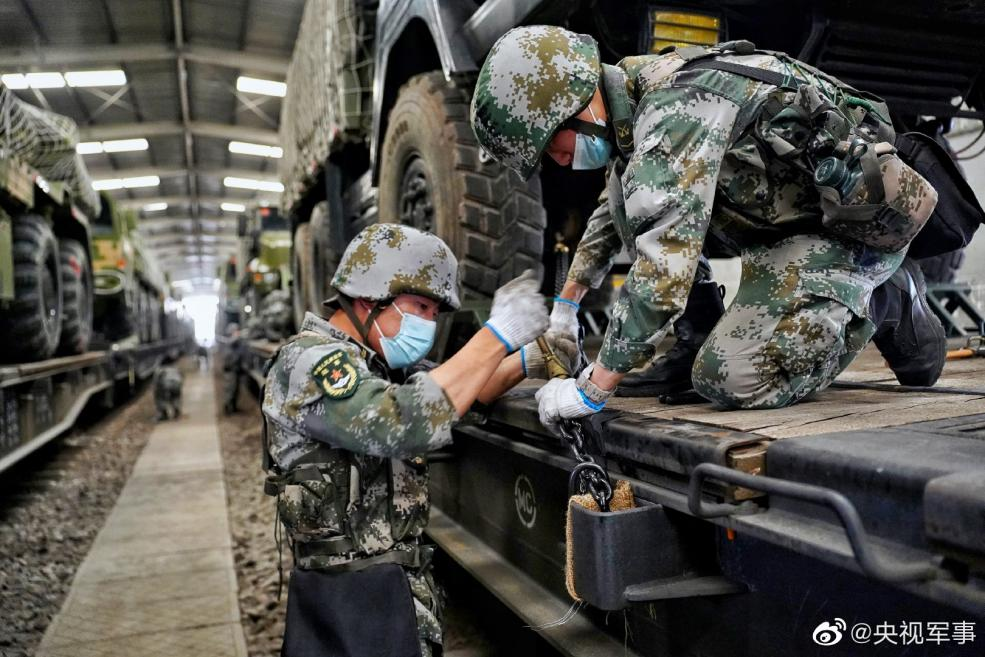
{"points": [[167, 392], [232, 354], [347, 444], [720, 144]]}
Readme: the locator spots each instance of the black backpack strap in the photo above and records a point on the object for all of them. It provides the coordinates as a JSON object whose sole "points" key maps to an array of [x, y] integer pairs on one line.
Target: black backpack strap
{"points": [[781, 80], [621, 109]]}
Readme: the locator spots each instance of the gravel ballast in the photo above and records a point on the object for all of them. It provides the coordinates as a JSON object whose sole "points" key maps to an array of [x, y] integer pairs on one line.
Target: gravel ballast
{"points": [[52, 506]]}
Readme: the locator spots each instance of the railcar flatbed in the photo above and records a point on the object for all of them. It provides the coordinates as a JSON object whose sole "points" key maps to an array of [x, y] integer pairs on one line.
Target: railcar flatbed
{"points": [[41, 400], [907, 464]]}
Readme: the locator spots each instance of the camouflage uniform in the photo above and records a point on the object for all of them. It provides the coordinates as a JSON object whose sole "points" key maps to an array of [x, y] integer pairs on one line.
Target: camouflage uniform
{"points": [[801, 312], [377, 435], [348, 446], [167, 392], [232, 354]]}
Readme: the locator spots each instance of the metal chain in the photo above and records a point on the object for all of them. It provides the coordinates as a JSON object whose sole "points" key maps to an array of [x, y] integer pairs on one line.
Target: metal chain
{"points": [[588, 476]]}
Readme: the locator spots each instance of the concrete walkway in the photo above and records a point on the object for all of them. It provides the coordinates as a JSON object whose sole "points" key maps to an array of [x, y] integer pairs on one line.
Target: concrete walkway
{"points": [[159, 578]]}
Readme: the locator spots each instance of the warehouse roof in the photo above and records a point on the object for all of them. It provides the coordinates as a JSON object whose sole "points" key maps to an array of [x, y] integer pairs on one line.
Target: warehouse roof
{"points": [[182, 61]]}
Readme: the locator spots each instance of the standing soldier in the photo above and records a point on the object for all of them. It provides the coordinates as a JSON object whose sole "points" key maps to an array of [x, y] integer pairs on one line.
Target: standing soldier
{"points": [[346, 445], [723, 147], [232, 352]]}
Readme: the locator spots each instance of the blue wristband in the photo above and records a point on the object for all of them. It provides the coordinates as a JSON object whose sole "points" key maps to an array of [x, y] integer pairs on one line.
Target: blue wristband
{"points": [[568, 301], [506, 343], [523, 360], [588, 402]]}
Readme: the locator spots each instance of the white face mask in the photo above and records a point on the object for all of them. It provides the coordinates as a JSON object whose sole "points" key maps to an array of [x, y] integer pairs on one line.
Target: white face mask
{"points": [[591, 152], [411, 343]]}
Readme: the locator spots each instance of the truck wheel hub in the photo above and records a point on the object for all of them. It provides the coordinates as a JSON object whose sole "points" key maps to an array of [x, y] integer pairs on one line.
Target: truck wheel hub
{"points": [[416, 208]]}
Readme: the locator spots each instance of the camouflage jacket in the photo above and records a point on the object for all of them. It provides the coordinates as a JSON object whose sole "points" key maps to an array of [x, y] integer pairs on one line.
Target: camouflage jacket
{"points": [[329, 405], [694, 170]]}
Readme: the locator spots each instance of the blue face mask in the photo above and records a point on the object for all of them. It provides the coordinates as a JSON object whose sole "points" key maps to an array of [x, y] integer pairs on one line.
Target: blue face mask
{"points": [[411, 343], [591, 152]]}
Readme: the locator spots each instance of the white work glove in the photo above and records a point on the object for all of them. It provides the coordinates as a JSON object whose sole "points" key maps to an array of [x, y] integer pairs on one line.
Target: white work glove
{"points": [[563, 338], [518, 314], [562, 399], [564, 319]]}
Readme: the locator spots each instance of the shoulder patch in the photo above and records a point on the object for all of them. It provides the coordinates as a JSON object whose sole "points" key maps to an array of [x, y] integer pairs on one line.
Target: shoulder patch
{"points": [[336, 375]]}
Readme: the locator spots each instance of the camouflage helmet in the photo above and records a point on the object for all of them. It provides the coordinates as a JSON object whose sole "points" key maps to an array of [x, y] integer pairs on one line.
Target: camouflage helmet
{"points": [[386, 260], [534, 79]]}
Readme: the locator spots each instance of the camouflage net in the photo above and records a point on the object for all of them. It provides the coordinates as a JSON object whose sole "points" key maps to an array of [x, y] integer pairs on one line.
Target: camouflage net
{"points": [[329, 89], [46, 141]]}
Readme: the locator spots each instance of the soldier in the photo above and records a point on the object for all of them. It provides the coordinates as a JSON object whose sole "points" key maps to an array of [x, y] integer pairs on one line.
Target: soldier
{"points": [[232, 353], [688, 157], [167, 392], [346, 444]]}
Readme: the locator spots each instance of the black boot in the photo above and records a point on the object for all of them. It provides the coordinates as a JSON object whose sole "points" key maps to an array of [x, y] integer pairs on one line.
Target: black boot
{"points": [[671, 373], [908, 334]]}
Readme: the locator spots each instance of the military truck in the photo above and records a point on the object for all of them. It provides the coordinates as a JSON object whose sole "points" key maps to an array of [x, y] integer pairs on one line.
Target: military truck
{"points": [[375, 122], [46, 202], [264, 271], [130, 288]]}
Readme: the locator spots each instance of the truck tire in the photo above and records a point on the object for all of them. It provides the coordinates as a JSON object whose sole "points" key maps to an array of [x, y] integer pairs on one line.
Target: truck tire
{"points": [[142, 326], [324, 255], [76, 272], [154, 316], [31, 324], [302, 272], [943, 268], [433, 177]]}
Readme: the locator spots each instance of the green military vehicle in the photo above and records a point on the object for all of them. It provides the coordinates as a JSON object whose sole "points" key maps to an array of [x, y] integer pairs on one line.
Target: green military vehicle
{"points": [[264, 276], [129, 286], [375, 122], [230, 305], [46, 201]]}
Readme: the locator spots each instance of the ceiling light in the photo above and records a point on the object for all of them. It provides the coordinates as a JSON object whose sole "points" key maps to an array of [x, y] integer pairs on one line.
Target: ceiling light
{"points": [[107, 184], [115, 146], [125, 183], [155, 207], [251, 183], [88, 147], [141, 181], [258, 86], [45, 80], [245, 148], [124, 145], [14, 81], [233, 207], [114, 78]]}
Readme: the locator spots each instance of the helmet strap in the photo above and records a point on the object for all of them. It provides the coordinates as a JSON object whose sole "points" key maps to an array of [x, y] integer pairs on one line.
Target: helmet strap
{"points": [[362, 327]]}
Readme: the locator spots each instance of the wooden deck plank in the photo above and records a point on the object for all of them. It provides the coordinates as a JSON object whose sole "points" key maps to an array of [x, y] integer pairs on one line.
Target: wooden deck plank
{"points": [[838, 409]]}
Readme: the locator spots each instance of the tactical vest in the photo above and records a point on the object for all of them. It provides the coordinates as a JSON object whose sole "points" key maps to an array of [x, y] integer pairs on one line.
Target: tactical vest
{"points": [[343, 510]]}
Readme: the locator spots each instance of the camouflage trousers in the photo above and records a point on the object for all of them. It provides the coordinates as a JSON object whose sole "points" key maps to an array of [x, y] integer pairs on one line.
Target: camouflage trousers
{"points": [[800, 317], [429, 608]]}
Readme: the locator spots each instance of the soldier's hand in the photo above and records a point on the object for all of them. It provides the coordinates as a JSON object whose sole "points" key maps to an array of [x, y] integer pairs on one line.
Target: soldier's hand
{"points": [[566, 350], [564, 319], [518, 314], [560, 399]]}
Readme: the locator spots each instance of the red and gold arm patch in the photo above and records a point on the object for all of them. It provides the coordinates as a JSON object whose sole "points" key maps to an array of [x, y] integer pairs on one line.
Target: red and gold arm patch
{"points": [[336, 375]]}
